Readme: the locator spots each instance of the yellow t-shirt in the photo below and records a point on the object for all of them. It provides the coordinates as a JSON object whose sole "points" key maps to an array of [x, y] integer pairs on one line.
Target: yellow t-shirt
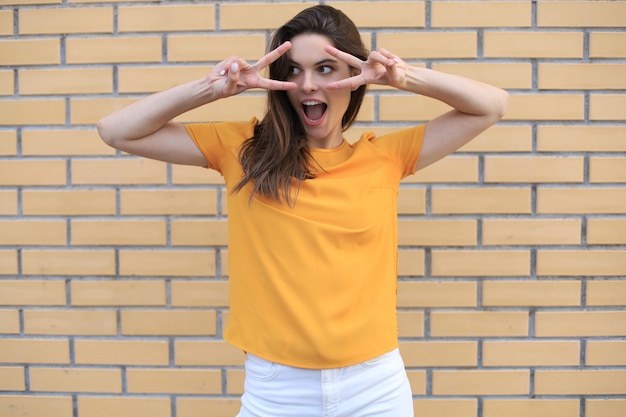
{"points": [[314, 285]]}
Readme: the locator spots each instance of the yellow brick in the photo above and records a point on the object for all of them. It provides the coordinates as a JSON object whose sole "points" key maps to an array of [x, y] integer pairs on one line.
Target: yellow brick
{"points": [[235, 379], [533, 44], [531, 231], [6, 22], [33, 172], [32, 292], [8, 262], [8, 143], [531, 353], [164, 18], [531, 407], [66, 21], [436, 294], [508, 75], [30, 52], [410, 262], [199, 48], [606, 231], [410, 323], [32, 112], [118, 232], [545, 107], [605, 353], [606, 293], [607, 45], [199, 233], [174, 381], [478, 323], [594, 76], [534, 169], [580, 382], [576, 138], [417, 380], [581, 13], [121, 352], [90, 110], [607, 169], [604, 407], [66, 81], [480, 382], [437, 232], [225, 111], [433, 407], [388, 14], [439, 354], [580, 323], [28, 350], [581, 262], [179, 201], [207, 353], [258, 16], [34, 232], [118, 293], [481, 14], [7, 83], [574, 200], [607, 107], [481, 200], [429, 45], [168, 323], [480, 263], [74, 322], [187, 175], [36, 405], [75, 380], [199, 294], [531, 293], [157, 78], [12, 378], [167, 263], [452, 169], [63, 142], [107, 50], [9, 321], [191, 407], [68, 262], [68, 202], [130, 171], [120, 406], [8, 203], [411, 200]]}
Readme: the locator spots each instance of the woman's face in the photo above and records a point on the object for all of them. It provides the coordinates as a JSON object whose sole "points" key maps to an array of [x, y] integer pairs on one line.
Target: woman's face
{"points": [[320, 110]]}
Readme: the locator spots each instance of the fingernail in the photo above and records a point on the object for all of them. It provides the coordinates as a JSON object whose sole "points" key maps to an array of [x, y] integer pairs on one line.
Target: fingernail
{"points": [[222, 72], [234, 67]]}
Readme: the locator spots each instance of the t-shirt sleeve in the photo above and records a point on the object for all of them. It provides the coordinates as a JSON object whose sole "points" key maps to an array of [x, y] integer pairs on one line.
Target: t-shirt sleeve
{"points": [[215, 140], [403, 146]]}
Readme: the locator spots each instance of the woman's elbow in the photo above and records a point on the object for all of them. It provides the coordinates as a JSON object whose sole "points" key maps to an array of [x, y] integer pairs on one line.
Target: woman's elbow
{"points": [[105, 133], [502, 104]]}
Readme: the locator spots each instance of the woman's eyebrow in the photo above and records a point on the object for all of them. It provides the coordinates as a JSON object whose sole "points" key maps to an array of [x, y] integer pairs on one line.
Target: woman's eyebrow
{"points": [[323, 61]]}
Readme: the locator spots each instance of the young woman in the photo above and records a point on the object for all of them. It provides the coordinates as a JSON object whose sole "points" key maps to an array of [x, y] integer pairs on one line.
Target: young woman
{"points": [[312, 218]]}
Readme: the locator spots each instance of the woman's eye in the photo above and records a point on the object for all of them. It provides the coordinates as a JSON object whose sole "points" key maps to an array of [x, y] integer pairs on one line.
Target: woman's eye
{"points": [[293, 71], [325, 69]]}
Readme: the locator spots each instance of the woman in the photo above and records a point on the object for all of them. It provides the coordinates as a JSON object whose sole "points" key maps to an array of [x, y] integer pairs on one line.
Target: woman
{"points": [[312, 219]]}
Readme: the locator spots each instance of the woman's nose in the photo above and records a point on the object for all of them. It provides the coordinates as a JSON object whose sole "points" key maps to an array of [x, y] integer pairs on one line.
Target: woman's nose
{"points": [[309, 83]]}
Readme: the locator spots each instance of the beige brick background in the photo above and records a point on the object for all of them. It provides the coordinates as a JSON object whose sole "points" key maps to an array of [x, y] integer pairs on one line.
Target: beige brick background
{"points": [[512, 262]]}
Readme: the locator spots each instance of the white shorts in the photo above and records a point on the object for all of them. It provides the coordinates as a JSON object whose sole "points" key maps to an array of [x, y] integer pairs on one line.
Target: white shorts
{"points": [[378, 387]]}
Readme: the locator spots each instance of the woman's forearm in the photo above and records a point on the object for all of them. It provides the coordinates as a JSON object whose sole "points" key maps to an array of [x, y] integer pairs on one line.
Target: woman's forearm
{"points": [[151, 113]]}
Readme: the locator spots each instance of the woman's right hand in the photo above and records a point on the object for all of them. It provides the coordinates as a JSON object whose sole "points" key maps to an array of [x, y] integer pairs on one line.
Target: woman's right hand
{"points": [[234, 75]]}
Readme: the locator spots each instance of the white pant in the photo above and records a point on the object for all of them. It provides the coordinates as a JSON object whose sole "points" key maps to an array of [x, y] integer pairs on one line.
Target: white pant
{"points": [[376, 388]]}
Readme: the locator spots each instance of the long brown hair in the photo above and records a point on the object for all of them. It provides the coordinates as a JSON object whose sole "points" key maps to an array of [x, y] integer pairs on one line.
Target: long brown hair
{"points": [[277, 157]]}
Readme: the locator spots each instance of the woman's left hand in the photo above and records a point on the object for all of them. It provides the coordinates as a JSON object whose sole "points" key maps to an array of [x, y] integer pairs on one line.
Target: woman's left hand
{"points": [[382, 67]]}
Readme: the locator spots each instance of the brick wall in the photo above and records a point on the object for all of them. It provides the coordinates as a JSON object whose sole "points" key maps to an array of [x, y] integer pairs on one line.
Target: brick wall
{"points": [[113, 269]]}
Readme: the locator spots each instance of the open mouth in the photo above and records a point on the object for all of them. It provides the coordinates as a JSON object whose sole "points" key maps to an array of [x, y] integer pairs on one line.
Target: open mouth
{"points": [[314, 111]]}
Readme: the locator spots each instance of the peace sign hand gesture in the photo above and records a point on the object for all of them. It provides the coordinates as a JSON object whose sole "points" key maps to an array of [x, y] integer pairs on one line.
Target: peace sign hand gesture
{"points": [[234, 75], [381, 67]]}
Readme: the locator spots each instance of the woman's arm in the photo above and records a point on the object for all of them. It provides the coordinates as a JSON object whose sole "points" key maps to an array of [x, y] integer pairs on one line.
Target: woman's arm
{"points": [[476, 105], [145, 128]]}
